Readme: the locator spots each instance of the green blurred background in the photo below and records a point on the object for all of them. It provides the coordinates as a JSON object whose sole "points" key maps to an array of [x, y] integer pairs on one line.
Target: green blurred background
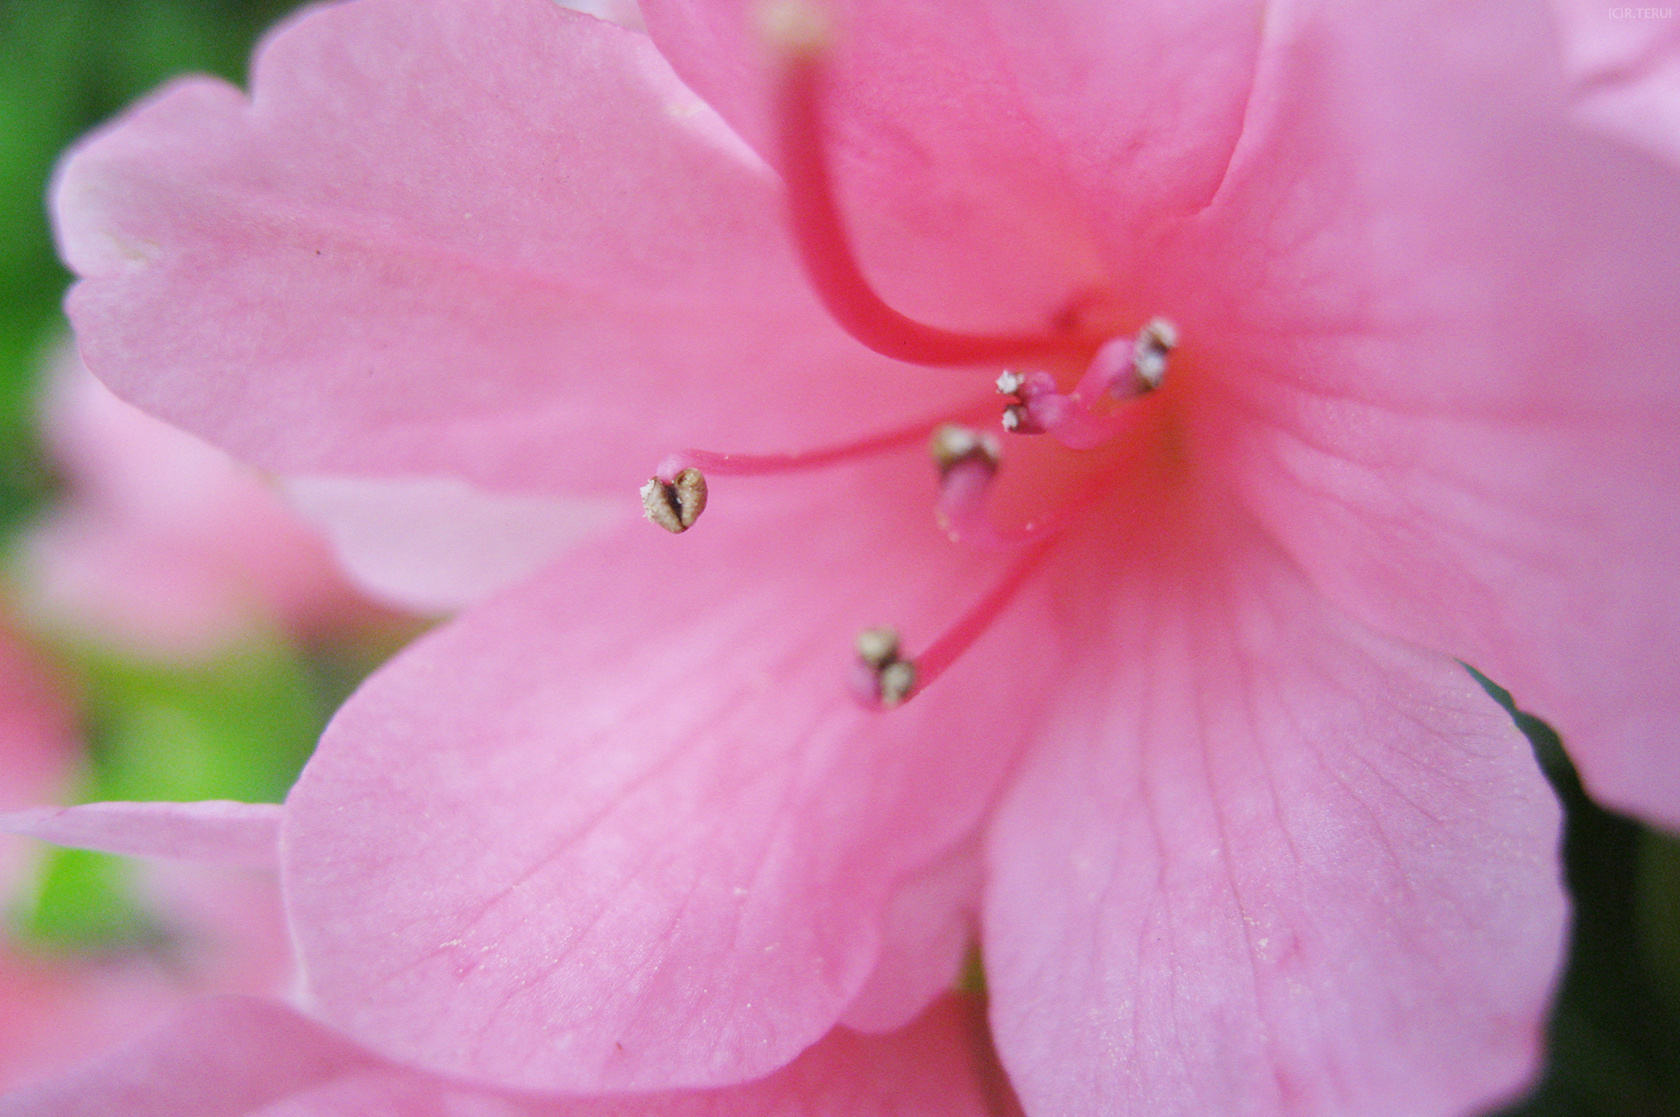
{"points": [[240, 727]]}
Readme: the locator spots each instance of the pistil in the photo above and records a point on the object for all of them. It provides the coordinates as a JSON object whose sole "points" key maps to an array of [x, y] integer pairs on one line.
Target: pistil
{"points": [[801, 40]]}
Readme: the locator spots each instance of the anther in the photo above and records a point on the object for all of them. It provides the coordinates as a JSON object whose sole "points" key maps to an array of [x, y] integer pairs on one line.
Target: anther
{"points": [[1149, 356], [884, 678], [676, 504], [878, 646], [678, 483], [1123, 368], [794, 28], [952, 445], [895, 681], [1037, 401]]}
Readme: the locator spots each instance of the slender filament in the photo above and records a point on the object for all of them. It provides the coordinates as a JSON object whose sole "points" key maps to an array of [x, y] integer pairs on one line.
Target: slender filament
{"points": [[725, 464], [957, 639]]}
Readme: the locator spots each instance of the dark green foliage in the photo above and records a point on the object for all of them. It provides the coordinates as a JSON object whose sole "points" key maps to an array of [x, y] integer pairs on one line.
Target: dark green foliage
{"points": [[1615, 1029]]}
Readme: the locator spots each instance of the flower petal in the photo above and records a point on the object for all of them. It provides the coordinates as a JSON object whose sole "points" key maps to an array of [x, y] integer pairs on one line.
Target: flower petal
{"points": [[233, 1056], [219, 1057], [929, 927], [1266, 862], [38, 744], [37, 741], [436, 544], [625, 825], [214, 831], [938, 1066], [1624, 64], [493, 240], [1448, 386]]}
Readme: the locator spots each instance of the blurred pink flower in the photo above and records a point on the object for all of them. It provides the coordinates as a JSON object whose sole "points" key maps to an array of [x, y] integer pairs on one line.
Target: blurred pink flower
{"points": [[220, 931], [38, 741], [1185, 731], [220, 927], [164, 546], [161, 548]]}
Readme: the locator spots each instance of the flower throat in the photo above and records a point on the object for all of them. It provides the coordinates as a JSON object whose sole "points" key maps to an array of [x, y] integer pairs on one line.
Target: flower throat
{"points": [[966, 456]]}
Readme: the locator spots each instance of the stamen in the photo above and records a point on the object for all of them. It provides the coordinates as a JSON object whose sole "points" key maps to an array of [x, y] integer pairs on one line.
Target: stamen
{"points": [[794, 28], [676, 504], [968, 462], [824, 245], [878, 646], [751, 465], [882, 678], [885, 678], [1158, 338], [1124, 368], [952, 446], [667, 498]]}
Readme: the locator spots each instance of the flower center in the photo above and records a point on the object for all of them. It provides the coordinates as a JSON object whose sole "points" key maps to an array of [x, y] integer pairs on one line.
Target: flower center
{"points": [[968, 459]]}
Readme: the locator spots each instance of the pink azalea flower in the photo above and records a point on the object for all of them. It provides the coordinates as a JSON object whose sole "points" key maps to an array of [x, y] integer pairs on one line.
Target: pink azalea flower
{"points": [[222, 1055], [1175, 715]]}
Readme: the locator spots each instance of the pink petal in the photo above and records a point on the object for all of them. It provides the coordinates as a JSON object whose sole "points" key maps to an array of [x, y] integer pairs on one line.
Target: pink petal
{"points": [[228, 923], [1001, 142], [625, 826], [232, 1056], [215, 831], [1623, 64], [437, 544], [1445, 382], [1543, 555], [494, 240], [938, 1067], [1266, 861], [220, 1057], [929, 928], [59, 1013], [625, 13]]}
